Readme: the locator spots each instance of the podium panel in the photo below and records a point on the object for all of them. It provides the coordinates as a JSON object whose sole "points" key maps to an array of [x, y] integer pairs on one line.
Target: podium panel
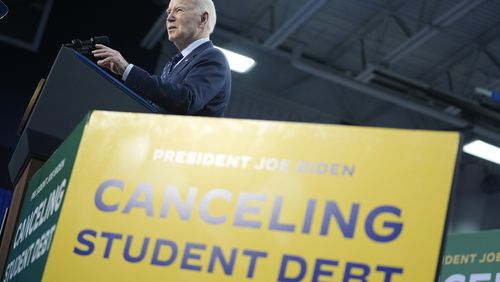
{"points": [[74, 86], [142, 197]]}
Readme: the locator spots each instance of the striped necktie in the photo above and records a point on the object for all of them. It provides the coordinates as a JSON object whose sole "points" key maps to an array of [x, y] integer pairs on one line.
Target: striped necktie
{"points": [[177, 58], [171, 65]]}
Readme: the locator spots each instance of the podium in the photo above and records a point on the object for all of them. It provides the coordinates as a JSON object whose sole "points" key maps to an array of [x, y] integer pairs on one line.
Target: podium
{"points": [[141, 197], [75, 85]]}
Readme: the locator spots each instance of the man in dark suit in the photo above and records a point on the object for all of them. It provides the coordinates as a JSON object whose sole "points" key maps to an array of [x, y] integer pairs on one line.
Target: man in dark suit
{"points": [[197, 84]]}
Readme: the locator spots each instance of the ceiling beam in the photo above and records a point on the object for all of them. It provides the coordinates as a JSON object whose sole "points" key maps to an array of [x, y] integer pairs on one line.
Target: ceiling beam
{"points": [[492, 58], [326, 73], [354, 37], [261, 10], [293, 23], [364, 29], [427, 32], [395, 98], [340, 79], [461, 53], [470, 71]]}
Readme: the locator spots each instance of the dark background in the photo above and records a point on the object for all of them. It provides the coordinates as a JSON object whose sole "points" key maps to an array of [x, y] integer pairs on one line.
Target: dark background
{"points": [[21, 68]]}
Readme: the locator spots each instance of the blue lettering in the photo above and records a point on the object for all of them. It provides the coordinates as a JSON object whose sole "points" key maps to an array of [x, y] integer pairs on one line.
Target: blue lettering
{"points": [[109, 244], [243, 209], [348, 275], [172, 195], [83, 241], [134, 202], [188, 255], [311, 206], [274, 224], [318, 271], [140, 257], [254, 255], [209, 197], [389, 271], [98, 195], [284, 263], [156, 253], [218, 255], [395, 226], [347, 228]]}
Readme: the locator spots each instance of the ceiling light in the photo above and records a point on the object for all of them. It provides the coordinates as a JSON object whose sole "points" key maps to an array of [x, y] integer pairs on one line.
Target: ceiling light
{"points": [[483, 150], [237, 62]]}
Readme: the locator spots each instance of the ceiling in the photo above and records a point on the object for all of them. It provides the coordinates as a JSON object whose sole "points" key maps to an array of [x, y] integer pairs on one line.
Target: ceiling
{"points": [[391, 63], [350, 59]]}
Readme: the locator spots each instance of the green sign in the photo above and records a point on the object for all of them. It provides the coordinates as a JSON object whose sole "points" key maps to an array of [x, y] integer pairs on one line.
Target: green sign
{"points": [[473, 257], [40, 211]]}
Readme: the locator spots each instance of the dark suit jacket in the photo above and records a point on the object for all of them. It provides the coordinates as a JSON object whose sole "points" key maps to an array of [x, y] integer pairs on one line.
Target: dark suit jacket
{"points": [[199, 85]]}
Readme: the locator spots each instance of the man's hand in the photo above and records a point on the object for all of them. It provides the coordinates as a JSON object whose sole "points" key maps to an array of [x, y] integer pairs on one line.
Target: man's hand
{"points": [[110, 59]]}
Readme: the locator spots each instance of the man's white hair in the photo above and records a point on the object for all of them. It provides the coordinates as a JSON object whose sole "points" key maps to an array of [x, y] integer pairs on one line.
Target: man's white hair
{"points": [[209, 7]]}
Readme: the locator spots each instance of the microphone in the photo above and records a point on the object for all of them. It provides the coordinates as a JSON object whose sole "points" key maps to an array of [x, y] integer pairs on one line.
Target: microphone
{"points": [[87, 46], [3, 9]]}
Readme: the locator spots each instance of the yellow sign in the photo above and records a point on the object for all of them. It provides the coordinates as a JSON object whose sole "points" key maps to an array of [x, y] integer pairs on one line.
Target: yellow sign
{"points": [[169, 198]]}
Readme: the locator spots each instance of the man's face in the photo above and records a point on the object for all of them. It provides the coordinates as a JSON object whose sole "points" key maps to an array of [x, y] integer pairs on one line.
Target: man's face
{"points": [[183, 22]]}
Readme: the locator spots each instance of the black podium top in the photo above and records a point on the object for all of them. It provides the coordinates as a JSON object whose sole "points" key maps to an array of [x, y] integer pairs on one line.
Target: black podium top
{"points": [[75, 85]]}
